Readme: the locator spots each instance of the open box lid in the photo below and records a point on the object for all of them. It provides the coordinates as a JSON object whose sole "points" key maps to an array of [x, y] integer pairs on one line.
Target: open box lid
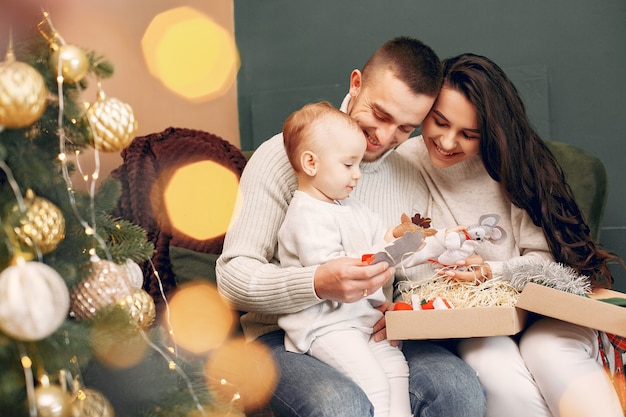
{"points": [[585, 311]]}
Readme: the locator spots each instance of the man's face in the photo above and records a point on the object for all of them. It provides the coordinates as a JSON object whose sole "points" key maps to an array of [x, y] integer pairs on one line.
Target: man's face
{"points": [[386, 109]]}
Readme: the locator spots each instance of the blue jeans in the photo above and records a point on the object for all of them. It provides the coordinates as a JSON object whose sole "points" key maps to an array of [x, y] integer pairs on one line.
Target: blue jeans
{"points": [[441, 384]]}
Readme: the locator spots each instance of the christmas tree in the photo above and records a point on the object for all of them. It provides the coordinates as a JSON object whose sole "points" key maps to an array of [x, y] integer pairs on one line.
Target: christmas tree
{"points": [[74, 319]]}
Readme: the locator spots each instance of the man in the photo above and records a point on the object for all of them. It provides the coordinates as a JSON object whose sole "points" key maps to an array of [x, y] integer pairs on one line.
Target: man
{"points": [[389, 99]]}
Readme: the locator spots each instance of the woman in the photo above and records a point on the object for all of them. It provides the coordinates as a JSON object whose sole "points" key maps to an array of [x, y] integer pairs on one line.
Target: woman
{"points": [[479, 155]]}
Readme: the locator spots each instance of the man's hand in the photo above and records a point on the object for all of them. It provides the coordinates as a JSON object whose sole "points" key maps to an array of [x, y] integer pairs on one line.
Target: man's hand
{"points": [[348, 280], [380, 328]]}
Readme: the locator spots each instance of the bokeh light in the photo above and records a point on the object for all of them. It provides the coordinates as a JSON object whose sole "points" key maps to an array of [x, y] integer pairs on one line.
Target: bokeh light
{"points": [[200, 318], [190, 54], [118, 350], [200, 199], [249, 370]]}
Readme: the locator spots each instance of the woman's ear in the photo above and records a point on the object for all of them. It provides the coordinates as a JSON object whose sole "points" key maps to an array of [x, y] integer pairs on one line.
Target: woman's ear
{"points": [[308, 160]]}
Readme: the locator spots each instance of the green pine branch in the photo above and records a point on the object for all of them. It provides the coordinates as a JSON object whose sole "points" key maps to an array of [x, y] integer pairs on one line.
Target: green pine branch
{"points": [[147, 388]]}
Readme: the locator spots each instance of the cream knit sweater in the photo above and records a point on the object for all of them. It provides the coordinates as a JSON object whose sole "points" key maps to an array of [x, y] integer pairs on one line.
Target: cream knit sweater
{"points": [[248, 273], [462, 193]]}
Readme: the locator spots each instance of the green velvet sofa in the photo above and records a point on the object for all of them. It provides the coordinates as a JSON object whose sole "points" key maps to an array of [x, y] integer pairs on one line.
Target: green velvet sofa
{"points": [[179, 259], [585, 174]]}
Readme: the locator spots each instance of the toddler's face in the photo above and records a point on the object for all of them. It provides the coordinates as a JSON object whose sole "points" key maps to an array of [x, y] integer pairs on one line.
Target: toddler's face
{"points": [[338, 163]]}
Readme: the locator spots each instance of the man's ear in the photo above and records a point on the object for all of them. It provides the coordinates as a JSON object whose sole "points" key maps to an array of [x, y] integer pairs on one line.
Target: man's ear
{"points": [[308, 161], [355, 82]]}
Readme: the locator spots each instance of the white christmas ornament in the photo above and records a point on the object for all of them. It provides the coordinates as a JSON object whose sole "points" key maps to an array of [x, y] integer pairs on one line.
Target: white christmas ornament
{"points": [[135, 274], [34, 301]]}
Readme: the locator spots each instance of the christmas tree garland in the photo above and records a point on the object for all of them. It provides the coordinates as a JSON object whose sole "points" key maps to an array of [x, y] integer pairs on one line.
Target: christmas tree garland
{"points": [[70, 293]]}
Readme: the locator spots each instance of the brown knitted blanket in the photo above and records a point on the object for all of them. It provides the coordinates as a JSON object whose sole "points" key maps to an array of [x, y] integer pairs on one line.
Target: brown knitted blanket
{"points": [[148, 163]]}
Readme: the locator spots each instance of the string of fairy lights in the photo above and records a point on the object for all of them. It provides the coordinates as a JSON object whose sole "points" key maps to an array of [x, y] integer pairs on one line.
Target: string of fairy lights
{"points": [[113, 126]]}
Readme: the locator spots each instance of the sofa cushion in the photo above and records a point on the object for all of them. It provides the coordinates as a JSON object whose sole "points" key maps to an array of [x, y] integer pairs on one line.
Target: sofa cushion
{"points": [[586, 175], [189, 265]]}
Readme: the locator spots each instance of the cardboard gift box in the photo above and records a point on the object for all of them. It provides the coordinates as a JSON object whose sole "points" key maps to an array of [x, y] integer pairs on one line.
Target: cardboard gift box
{"points": [[454, 323], [584, 311], [506, 321]]}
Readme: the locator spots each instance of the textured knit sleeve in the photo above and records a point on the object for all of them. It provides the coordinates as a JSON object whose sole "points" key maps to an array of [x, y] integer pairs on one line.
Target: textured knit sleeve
{"points": [[530, 242], [248, 273]]}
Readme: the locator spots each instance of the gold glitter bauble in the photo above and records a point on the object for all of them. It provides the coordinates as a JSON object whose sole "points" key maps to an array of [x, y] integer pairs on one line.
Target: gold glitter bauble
{"points": [[34, 301], [52, 401], [140, 307], [113, 123], [41, 227], [106, 285], [73, 61], [88, 402], [23, 93]]}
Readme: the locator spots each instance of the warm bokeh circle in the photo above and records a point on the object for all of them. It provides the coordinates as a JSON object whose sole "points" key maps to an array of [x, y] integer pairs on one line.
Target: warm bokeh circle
{"points": [[200, 199], [200, 318], [191, 54], [243, 369]]}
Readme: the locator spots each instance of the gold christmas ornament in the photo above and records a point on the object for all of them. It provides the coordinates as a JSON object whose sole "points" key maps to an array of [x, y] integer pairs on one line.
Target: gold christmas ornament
{"points": [[41, 227], [113, 123], [88, 402], [106, 285], [52, 401], [71, 60], [34, 301], [140, 307], [23, 93]]}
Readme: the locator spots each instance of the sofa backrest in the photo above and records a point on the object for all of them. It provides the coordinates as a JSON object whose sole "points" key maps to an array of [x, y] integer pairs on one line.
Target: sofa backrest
{"points": [[587, 176]]}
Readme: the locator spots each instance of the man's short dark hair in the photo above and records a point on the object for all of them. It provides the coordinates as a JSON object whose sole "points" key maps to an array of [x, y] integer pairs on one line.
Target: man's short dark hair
{"points": [[412, 61]]}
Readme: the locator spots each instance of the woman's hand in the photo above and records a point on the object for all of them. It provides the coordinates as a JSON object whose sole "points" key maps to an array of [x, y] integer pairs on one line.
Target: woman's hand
{"points": [[473, 268]]}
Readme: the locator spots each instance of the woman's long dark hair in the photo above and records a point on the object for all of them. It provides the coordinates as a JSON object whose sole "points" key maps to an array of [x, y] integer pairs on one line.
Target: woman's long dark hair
{"points": [[515, 156]]}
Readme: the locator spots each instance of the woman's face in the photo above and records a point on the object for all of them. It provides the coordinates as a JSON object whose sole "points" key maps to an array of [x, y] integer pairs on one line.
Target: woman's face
{"points": [[450, 130]]}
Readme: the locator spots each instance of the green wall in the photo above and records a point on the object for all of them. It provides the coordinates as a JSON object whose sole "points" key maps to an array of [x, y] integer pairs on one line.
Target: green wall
{"points": [[567, 57]]}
